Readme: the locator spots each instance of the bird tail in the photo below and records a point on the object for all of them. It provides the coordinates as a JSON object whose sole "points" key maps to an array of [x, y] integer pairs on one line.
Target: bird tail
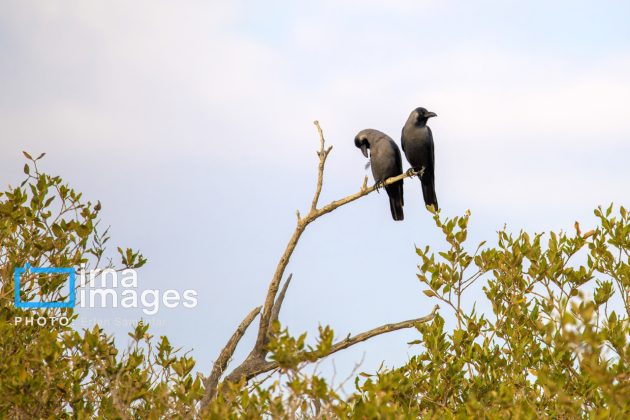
{"points": [[428, 191], [396, 200]]}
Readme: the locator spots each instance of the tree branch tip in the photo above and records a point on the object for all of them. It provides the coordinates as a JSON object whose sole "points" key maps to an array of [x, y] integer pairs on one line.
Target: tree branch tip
{"points": [[275, 309]]}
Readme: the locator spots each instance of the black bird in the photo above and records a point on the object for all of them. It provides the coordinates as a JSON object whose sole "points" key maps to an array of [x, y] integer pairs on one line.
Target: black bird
{"points": [[386, 162], [417, 143]]}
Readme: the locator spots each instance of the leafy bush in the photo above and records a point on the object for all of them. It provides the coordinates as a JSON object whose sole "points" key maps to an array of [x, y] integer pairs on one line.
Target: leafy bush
{"points": [[54, 371], [554, 344]]}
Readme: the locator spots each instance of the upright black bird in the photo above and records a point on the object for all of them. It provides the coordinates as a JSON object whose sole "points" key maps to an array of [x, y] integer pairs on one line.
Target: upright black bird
{"points": [[417, 143], [386, 162]]}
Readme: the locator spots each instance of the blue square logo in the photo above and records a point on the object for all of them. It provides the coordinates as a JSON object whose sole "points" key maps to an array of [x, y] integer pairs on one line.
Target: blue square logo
{"points": [[17, 275]]}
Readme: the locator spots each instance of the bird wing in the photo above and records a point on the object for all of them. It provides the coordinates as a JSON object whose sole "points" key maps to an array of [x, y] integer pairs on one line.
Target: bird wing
{"points": [[431, 151], [402, 139], [398, 157]]}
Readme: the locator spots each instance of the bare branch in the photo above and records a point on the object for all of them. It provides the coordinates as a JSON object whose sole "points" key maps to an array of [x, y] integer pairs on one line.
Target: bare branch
{"points": [[220, 364], [257, 367], [353, 197], [284, 260], [250, 368], [351, 341], [273, 288], [276, 307], [323, 154]]}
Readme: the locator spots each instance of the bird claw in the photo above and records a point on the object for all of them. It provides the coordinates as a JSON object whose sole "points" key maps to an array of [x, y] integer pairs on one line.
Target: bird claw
{"points": [[379, 185], [419, 172]]}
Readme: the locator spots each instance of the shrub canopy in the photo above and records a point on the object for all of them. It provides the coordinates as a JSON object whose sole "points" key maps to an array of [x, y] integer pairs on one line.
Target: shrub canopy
{"points": [[555, 342]]}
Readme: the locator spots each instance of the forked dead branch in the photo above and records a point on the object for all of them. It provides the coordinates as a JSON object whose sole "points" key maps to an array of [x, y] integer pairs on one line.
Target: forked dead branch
{"points": [[256, 362]]}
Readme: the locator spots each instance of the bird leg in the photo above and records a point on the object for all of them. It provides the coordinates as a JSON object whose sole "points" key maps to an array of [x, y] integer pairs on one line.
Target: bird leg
{"points": [[411, 171]]}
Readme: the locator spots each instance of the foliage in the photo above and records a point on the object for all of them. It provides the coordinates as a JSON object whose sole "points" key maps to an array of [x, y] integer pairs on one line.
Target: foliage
{"points": [[54, 371], [556, 342], [551, 341]]}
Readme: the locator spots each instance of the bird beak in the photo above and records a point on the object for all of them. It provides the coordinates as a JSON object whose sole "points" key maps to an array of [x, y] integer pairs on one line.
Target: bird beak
{"points": [[364, 149], [430, 114]]}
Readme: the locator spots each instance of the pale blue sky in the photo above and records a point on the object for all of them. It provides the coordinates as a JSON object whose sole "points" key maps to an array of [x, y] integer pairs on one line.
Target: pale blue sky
{"points": [[192, 123]]}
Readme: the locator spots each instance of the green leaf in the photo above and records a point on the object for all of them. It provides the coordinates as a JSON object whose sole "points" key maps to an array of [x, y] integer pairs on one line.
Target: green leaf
{"points": [[429, 293]]}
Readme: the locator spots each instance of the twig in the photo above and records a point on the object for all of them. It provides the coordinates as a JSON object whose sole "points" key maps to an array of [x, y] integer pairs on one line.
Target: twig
{"points": [[220, 364], [351, 341], [323, 154], [275, 313], [353, 373]]}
